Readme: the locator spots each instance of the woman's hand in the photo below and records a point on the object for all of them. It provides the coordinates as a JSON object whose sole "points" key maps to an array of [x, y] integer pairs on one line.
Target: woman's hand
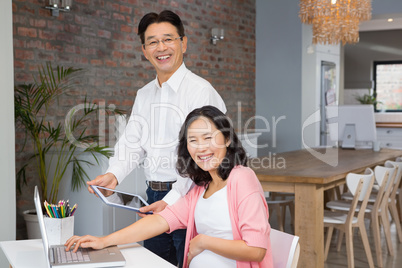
{"points": [[195, 247], [155, 207], [87, 241]]}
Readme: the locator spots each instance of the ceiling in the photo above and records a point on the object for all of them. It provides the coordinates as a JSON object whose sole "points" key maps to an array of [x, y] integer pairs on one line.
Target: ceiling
{"points": [[380, 22]]}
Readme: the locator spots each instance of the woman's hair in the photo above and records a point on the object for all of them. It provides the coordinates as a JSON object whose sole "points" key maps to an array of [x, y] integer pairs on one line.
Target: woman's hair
{"points": [[235, 153], [164, 16]]}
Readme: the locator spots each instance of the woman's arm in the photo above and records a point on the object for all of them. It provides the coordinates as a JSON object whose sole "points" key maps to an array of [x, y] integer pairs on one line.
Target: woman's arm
{"points": [[143, 229], [232, 249]]}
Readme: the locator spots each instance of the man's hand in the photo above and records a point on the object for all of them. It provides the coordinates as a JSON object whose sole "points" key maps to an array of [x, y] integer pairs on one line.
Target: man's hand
{"points": [[154, 207], [107, 180]]}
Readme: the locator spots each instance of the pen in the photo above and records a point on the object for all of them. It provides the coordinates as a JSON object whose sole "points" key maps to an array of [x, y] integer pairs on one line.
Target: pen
{"points": [[61, 210]]}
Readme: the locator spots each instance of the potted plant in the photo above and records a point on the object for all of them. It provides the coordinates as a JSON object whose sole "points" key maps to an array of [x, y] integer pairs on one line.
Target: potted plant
{"points": [[367, 99], [51, 141]]}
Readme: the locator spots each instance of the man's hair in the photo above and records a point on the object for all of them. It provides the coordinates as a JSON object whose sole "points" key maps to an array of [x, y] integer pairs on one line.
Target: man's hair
{"points": [[164, 16], [235, 153]]}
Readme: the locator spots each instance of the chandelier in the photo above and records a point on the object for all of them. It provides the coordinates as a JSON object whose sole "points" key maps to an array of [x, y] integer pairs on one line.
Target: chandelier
{"points": [[335, 21]]}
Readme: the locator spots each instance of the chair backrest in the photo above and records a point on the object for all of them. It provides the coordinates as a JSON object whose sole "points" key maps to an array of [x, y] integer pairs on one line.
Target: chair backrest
{"points": [[380, 174], [360, 185], [398, 159], [384, 176], [396, 179], [285, 249], [398, 166], [352, 181]]}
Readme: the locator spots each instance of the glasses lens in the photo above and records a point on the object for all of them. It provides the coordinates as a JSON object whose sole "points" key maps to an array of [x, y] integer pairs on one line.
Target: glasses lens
{"points": [[167, 42]]}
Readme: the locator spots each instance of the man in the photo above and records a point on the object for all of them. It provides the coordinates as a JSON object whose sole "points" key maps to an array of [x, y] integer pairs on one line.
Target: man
{"points": [[151, 135]]}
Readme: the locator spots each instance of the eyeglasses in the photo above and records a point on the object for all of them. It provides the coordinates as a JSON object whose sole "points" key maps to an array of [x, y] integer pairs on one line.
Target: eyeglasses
{"points": [[168, 41]]}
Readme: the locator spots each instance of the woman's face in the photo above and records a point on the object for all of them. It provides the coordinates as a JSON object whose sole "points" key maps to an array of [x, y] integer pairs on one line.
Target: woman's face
{"points": [[206, 144]]}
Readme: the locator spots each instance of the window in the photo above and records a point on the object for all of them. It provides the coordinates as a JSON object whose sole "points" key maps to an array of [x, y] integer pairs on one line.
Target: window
{"points": [[388, 85]]}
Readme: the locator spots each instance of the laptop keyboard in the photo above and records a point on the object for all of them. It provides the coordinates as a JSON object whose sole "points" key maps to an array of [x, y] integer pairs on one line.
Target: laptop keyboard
{"points": [[64, 256]]}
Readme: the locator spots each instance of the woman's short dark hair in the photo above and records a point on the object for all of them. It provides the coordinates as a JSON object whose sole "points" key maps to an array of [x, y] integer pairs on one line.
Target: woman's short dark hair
{"points": [[235, 153], [164, 16]]}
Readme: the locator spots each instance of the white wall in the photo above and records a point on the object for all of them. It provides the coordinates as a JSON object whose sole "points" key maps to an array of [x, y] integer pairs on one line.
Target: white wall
{"points": [[7, 137], [278, 75]]}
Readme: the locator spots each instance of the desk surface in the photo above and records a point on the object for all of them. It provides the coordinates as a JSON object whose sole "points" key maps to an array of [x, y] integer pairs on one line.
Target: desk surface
{"points": [[29, 253]]}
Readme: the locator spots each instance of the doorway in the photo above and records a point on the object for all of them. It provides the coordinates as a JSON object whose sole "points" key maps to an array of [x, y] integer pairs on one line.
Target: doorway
{"points": [[328, 96]]}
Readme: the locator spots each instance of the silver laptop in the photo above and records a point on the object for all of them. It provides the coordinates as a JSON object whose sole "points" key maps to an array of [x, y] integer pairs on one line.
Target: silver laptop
{"points": [[56, 256]]}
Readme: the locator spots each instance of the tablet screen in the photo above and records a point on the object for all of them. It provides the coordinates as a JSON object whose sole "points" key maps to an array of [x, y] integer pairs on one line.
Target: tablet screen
{"points": [[120, 199]]}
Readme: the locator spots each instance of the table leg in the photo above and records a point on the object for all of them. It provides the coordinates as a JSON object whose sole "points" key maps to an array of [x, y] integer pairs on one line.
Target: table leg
{"points": [[309, 225]]}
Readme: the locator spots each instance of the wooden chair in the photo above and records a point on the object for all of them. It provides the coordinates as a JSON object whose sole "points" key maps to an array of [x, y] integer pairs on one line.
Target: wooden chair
{"points": [[399, 193], [360, 186], [285, 249], [376, 210], [392, 197], [278, 202]]}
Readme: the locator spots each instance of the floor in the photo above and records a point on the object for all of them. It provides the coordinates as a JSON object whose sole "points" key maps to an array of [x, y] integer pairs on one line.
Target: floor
{"points": [[339, 259]]}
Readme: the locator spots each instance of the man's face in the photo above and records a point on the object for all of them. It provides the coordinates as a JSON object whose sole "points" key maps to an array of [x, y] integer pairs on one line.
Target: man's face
{"points": [[166, 59]]}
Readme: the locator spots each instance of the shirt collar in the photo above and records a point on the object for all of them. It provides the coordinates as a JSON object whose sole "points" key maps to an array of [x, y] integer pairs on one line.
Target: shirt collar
{"points": [[175, 80]]}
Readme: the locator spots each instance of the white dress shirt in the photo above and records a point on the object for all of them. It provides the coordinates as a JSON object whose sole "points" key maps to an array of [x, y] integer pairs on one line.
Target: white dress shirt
{"points": [[151, 135]]}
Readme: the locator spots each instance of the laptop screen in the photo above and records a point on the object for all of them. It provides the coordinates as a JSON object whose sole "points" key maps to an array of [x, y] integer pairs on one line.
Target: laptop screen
{"points": [[39, 212]]}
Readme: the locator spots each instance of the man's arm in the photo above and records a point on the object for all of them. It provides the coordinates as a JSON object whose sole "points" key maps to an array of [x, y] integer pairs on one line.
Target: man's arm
{"points": [[128, 153]]}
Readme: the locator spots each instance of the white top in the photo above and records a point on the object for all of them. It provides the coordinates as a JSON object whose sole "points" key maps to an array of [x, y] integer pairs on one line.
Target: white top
{"points": [[212, 218], [151, 135]]}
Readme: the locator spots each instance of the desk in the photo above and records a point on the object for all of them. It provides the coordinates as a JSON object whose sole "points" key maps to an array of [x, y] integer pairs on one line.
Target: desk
{"points": [[29, 253], [307, 176]]}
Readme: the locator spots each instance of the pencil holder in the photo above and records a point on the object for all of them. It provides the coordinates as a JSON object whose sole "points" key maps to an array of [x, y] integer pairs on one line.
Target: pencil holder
{"points": [[58, 230]]}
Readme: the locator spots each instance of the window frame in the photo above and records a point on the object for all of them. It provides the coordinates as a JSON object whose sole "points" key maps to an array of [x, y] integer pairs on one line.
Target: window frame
{"points": [[375, 63]]}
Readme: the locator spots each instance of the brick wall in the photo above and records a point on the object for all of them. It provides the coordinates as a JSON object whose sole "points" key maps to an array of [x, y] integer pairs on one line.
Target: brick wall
{"points": [[100, 37]]}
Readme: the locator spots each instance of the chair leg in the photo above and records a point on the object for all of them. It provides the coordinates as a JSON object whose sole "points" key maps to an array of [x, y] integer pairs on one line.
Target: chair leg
{"points": [[387, 230], [349, 247], [340, 240], [283, 216], [328, 242], [292, 215], [375, 227], [279, 217], [366, 244], [395, 217], [400, 203]]}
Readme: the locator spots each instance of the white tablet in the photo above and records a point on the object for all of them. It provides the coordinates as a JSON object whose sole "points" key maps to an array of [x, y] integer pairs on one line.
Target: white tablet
{"points": [[120, 199]]}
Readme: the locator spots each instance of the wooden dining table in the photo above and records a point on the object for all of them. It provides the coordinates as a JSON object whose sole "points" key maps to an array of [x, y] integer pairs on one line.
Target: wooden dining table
{"points": [[307, 174]]}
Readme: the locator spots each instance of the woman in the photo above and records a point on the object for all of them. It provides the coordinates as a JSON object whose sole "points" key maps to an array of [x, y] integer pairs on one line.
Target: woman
{"points": [[225, 214]]}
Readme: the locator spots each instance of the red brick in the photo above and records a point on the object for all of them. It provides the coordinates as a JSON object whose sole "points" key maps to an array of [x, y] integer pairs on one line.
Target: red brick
{"points": [[104, 34], [30, 32], [23, 54], [43, 34], [110, 82], [126, 9], [117, 16], [86, 2], [96, 62], [39, 23], [110, 63], [117, 54], [126, 28], [19, 64]]}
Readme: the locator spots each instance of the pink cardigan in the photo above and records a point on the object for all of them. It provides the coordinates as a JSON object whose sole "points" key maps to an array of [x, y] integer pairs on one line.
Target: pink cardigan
{"points": [[247, 208]]}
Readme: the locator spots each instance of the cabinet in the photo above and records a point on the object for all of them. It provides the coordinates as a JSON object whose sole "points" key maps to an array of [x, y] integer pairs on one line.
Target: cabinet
{"points": [[390, 137], [250, 143]]}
